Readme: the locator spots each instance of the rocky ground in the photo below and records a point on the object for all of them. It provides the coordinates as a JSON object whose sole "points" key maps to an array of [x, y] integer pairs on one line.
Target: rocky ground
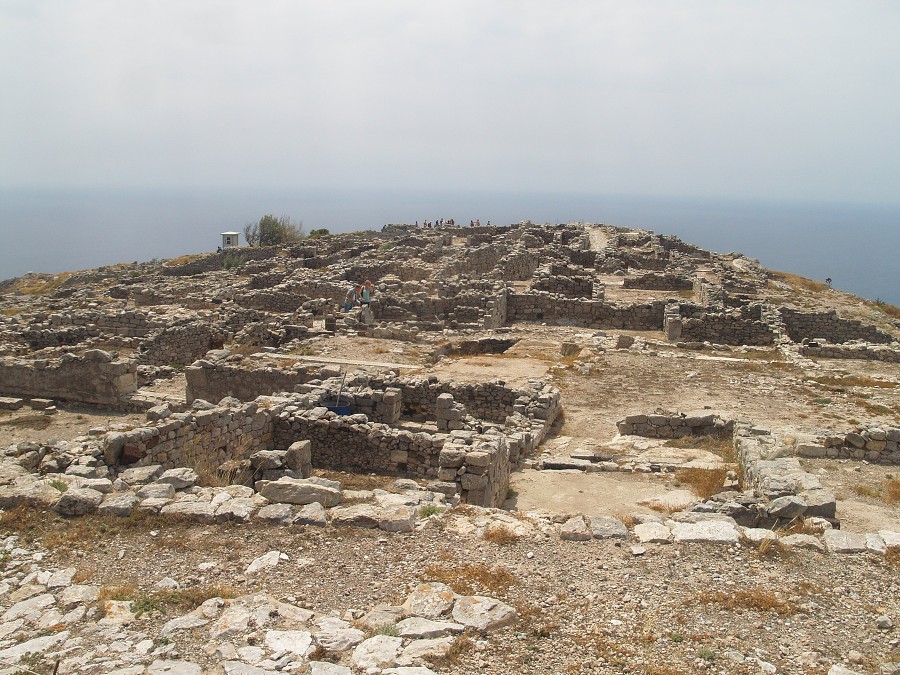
{"points": [[100, 594]]}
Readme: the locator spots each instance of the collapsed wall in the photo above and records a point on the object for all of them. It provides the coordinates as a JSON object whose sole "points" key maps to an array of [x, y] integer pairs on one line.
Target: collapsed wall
{"points": [[94, 378], [863, 351]]}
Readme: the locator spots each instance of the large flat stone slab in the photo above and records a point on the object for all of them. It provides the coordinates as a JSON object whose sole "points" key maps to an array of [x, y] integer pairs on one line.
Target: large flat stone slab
{"points": [[706, 532]]}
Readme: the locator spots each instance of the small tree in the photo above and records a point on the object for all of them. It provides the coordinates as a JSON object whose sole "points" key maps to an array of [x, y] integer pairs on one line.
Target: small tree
{"points": [[321, 232], [272, 231]]}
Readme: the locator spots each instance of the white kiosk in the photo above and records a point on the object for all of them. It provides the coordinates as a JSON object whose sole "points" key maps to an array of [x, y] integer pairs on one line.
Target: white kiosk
{"points": [[230, 240]]}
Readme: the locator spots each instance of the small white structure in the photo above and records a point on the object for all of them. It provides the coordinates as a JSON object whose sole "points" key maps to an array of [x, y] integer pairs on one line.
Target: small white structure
{"points": [[230, 240]]}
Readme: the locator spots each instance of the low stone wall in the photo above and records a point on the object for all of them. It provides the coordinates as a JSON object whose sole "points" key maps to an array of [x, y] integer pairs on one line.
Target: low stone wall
{"points": [[94, 378], [851, 351], [659, 282], [213, 380], [539, 307], [880, 444], [727, 328], [674, 425], [204, 439], [830, 327]]}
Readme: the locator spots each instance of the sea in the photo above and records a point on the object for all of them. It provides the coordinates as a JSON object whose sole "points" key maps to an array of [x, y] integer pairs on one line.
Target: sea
{"points": [[855, 245]]}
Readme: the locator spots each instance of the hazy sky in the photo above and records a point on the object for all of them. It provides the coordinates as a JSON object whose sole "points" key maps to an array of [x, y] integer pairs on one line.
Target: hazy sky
{"points": [[697, 98]]}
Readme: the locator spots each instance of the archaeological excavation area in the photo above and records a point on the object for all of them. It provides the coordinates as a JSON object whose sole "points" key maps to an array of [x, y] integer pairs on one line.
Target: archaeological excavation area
{"points": [[567, 392]]}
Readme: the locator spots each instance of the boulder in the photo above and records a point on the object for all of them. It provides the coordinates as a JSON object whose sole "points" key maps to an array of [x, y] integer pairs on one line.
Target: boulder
{"points": [[575, 529], [482, 613], [429, 600], [707, 531], [299, 491], [78, 502], [607, 527]]}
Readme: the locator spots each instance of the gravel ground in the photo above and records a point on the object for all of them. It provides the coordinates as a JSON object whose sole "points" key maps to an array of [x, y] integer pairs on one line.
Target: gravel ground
{"points": [[591, 607]]}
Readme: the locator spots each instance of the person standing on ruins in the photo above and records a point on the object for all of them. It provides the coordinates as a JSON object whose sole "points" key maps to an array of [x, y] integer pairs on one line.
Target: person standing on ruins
{"points": [[352, 297], [366, 295]]}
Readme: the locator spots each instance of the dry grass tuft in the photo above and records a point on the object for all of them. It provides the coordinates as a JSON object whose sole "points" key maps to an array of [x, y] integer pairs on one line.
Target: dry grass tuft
{"points": [[123, 592], [854, 381], [892, 491], [500, 535], [801, 526], [891, 310], [704, 482], [473, 579], [865, 491], [757, 599], [626, 518], [797, 282]]}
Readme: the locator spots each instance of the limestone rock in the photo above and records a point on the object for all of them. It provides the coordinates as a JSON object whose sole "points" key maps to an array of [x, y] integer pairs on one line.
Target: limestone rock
{"points": [[483, 613], [157, 491], [311, 514], [839, 541], [356, 515], [78, 502], [416, 627], [607, 527], [379, 651], [163, 667], [652, 533], [429, 600], [339, 639], [802, 541], [263, 562], [293, 641], [326, 668], [709, 531], [575, 529], [202, 511], [789, 506], [279, 514], [181, 478], [118, 504], [299, 491]]}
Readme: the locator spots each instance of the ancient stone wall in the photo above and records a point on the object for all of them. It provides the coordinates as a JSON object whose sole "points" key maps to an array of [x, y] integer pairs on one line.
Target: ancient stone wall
{"points": [[563, 280], [874, 443], [203, 439], [537, 307], [824, 350], [94, 378], [674, 425], [178, 345], [728, 328], [214, 380], [659, 282], [830, 326], [518, 264]]}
